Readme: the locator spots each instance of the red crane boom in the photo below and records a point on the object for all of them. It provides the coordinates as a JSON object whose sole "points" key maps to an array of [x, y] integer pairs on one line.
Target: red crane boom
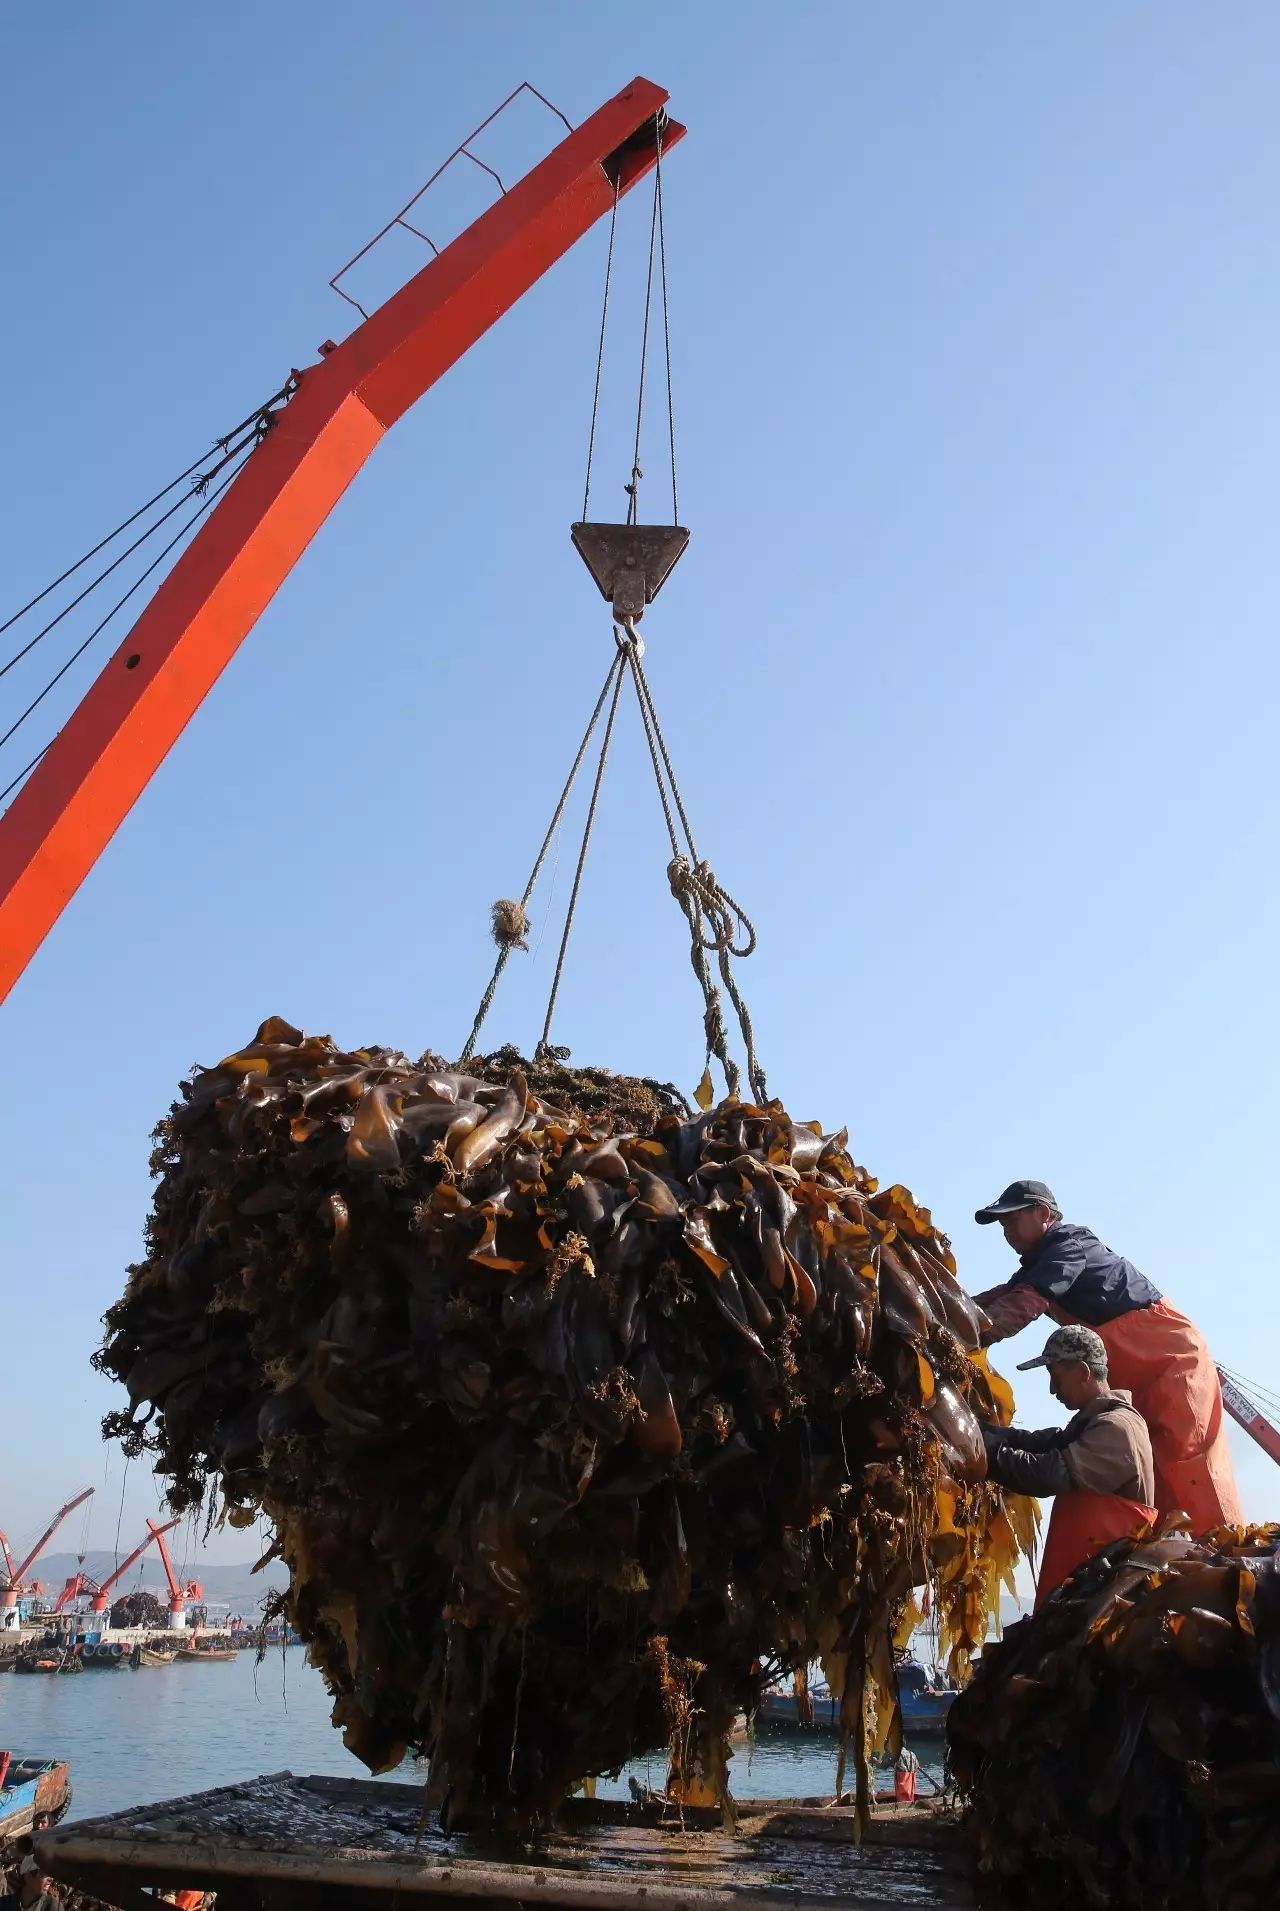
{"points": [[178, 1594], [86, 1583], [99, 763], [1250, 1417], [17, 1574]]}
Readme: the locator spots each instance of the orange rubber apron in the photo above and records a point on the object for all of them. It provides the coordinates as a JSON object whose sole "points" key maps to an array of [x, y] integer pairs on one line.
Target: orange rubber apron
{"points": [[1159, 1356], [1080, 1525]]}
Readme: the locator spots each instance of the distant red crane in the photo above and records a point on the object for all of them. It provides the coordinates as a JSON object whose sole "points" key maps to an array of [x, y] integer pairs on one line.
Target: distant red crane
{"points": [[81, 1583], [1245, 1414], [16, 1576], [178, 1594]]}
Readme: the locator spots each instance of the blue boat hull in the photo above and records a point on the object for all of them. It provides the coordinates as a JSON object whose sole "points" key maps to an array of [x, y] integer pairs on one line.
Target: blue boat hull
{"points": [[32, 1786], [923, 1714]]}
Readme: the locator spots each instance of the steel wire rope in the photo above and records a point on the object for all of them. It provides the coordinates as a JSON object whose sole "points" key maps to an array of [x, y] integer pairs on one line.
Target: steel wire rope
{"points": [[633, 489], [604, 315], [115, 564], [658, 250], [85, 1521], [10, 787], [1252, 1388], [124, 1484], [259, 412], [666, 321], [206, 505], [1254, 1391], [256, 424]]}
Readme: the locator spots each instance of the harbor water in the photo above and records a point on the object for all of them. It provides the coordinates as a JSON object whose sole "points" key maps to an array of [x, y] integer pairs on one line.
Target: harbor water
{"points": [[136, 1736]]}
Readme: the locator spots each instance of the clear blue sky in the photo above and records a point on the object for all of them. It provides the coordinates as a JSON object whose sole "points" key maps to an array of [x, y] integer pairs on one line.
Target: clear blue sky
{"points": [[970, 670]]}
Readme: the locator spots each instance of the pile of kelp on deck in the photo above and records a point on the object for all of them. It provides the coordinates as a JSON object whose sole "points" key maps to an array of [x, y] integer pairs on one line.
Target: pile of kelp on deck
{"points": [[1122, 1747], [578, 1416]]}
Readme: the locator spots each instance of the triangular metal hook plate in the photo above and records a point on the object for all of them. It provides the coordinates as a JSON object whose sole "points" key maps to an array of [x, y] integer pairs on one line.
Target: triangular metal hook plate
{"points": [[630, 562]]}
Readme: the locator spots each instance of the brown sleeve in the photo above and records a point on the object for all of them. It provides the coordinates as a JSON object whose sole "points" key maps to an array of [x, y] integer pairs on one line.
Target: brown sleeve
{"points": [[1009, 1309], [1103, 1457]]}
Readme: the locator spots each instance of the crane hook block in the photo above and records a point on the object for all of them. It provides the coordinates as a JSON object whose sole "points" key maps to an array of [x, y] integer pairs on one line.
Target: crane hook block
{"points": [[630, 562]]}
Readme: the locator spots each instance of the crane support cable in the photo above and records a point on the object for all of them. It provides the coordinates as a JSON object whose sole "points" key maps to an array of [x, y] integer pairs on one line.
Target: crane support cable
{"points": [[657, 258], [633, 489], [207, 504], [102, 543], [1254, 1391], [604, 318], [10, 787], [246, 434], [666, 324]]}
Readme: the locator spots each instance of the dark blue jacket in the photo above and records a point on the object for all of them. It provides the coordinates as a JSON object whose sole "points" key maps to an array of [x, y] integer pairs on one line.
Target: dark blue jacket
{"points": [[1071, 1266]]}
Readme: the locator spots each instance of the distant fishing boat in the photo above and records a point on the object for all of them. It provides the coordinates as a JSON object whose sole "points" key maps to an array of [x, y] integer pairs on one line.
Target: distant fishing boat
{"points": [[925, 1703], [202, 1655], [48, 1660], [149, 1656]]}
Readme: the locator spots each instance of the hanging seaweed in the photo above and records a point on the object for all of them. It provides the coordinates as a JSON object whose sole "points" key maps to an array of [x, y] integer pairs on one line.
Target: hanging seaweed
{"points": [[579, 1418]]}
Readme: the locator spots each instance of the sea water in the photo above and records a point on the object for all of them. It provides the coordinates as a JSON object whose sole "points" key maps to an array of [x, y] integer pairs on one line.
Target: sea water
{"points": [[136, 1736]]}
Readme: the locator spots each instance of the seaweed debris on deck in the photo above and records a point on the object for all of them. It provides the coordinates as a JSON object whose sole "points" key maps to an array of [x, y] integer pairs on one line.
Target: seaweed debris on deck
{"points": [[280, 1840]]}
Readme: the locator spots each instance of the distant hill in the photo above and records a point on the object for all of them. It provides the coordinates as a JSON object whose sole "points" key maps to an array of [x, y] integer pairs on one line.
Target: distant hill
{"points": [[237, 1585]]}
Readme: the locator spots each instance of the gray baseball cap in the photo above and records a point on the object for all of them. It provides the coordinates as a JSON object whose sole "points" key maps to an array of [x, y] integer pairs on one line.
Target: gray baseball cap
{"points": [[1018, 1194], [1070, 1343]]}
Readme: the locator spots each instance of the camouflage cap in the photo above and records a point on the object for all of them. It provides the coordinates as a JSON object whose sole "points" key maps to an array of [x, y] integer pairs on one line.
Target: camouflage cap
{"points": [[1070, 1343]]}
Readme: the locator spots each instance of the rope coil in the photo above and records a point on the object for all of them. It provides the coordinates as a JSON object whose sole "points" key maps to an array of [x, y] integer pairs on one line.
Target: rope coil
{"points": [[699, 884]]}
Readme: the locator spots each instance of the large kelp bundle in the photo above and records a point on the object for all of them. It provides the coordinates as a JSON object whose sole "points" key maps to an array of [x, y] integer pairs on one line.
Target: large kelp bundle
{"points": [[578, 1416], [1122, 1747]]}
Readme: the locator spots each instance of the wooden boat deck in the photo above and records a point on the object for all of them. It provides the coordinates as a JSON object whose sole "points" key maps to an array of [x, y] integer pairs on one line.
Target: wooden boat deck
{"points": [[280, 1842]]}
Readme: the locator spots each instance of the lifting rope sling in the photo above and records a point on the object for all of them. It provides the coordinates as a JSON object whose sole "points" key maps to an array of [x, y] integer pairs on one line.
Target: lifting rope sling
{"points": [[630, 562]]}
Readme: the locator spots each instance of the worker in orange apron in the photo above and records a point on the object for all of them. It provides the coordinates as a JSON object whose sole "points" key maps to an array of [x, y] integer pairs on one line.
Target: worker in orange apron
{"points": [[1097, 1469], [1153, 1352]]}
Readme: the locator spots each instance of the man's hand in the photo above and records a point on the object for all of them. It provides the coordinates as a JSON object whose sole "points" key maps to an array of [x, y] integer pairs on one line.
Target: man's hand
{"points": [[970, 1472]]}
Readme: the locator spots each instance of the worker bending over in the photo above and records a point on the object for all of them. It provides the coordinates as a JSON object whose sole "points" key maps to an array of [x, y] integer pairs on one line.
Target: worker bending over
{"points": [[1153, 1351], [1097, 1469]]}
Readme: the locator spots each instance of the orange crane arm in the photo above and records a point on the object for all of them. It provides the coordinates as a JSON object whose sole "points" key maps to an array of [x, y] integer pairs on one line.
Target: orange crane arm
{"points": [[157, 1533], [153, 1533], [17, 1574], [77, 1584], [1251, 1418], [65, 814]]}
